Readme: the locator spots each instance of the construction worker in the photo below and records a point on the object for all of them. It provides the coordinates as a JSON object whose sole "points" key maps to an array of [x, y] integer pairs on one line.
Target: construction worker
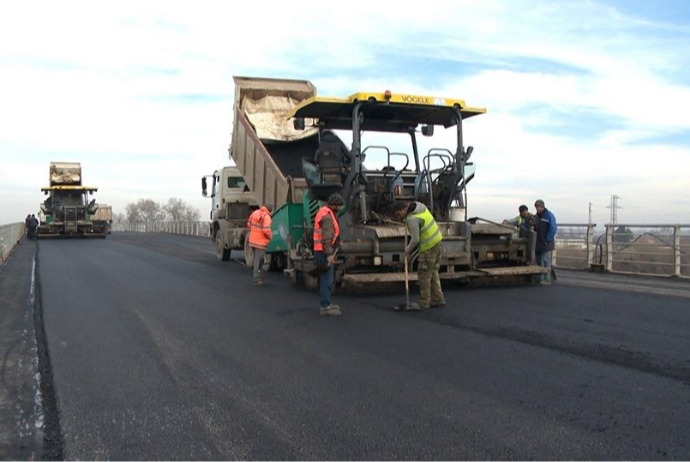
{"points": [[27, 226], [33, 226], [425, 233], [546, 243], [524, 222], [326, 234], [259, 226]]}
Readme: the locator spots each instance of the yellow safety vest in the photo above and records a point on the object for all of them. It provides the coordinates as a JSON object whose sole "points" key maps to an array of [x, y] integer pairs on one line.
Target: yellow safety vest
{"points": [[429, 234]]}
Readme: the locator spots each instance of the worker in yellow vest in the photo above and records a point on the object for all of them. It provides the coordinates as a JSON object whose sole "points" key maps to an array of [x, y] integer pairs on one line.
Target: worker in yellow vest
{"points": [[326, 233], [524, 222], [425, 233], [259, 226]]}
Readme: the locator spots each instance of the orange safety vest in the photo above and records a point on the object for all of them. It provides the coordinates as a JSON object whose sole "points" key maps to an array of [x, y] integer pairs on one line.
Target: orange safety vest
{"points": [[259, 225], [318, 231]]}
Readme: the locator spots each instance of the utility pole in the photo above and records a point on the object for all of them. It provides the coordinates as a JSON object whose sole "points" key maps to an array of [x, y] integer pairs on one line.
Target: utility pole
{"points": [[614, 209], [590, 214]]}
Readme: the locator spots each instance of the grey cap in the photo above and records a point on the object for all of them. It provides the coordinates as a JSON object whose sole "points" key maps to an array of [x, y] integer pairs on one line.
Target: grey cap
{"points": [[539, 203]]}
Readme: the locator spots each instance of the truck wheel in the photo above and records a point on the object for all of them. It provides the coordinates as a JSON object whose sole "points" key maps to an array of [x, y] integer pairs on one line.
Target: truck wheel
{"points": [[222, 253]]}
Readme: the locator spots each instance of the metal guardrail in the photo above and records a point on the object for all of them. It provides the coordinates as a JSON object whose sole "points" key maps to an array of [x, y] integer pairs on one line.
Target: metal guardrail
{"points": [[10, 235], [574, 246], [652, 249], [189, 228]]}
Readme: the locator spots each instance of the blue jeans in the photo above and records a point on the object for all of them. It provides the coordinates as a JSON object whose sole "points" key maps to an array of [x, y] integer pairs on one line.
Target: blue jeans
{"points": [[544, 259], [325, 281]]}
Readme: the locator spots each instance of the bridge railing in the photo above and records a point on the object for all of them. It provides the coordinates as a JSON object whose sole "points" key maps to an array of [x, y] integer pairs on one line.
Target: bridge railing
{"points": [[190, 228], [658, 250], [651, 249], [10, 235], [574, 246]]}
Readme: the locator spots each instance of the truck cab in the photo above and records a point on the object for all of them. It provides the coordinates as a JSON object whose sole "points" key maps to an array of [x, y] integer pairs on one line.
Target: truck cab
{"points": [[231, 204]]}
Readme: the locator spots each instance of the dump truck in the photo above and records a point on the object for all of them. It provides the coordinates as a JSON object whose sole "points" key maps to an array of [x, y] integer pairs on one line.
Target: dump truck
{"points": [[289, 145], [267, 153], [103, 219], [231, 204], [68, 210]]}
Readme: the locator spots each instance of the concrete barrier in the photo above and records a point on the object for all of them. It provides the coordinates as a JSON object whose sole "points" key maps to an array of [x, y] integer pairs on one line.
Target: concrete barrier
{"points": [[10, 235]]}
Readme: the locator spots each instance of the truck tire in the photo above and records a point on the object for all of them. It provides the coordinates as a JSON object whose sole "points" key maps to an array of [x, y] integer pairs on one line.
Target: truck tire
{"points": [[222, 253]]}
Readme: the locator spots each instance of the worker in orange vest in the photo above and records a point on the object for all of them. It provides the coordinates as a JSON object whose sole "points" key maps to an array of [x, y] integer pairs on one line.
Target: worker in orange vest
{"points": [[259, 226], [326, 233]]}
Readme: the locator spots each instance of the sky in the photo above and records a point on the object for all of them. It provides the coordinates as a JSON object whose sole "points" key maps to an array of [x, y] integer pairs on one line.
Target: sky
{"points": [[585, 99]]}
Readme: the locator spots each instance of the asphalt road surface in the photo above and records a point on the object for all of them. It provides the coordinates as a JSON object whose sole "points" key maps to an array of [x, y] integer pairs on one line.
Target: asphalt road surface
{"points": [[159, 351]]}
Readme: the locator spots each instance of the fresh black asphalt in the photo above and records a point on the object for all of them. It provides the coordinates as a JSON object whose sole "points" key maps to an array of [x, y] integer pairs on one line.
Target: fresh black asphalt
{"points": [[159, 351]]}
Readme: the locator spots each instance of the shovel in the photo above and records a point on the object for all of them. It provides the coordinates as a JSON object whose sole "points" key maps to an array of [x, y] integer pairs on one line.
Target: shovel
{"points": [[319, 270], [407, 306]]}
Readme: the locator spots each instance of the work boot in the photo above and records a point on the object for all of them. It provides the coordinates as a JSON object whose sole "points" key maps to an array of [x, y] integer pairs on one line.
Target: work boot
{"points": [[413, 307], [332, 310], [259, 282], [440, 304]]}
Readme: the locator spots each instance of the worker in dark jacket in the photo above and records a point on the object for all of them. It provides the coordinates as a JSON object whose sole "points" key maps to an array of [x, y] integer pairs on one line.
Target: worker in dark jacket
{"points": [[546, 235], [34, 226], [425, 234], [326, 234], [27, 226]]}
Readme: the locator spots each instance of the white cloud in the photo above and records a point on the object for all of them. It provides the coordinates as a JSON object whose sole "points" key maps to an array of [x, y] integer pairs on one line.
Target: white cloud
{"points": [[141, 93]]}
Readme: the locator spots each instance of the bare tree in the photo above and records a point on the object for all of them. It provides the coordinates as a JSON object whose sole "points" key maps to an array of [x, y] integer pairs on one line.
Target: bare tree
{"points": [[145, 210], [192, 214], [148, 211], [132, 212], [119, 221], [179, 210]]}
